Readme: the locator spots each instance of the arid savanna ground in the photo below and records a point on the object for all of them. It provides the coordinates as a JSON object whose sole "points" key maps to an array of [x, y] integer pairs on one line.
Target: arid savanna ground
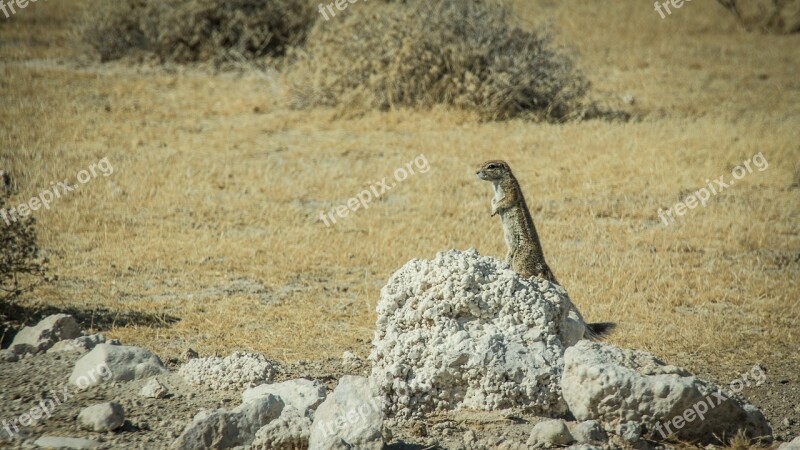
{"points": [[208, 234]]}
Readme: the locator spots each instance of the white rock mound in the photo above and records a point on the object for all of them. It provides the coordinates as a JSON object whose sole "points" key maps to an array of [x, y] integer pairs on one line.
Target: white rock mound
{"points": [[231, 372], [620, 387], [464, 330]]}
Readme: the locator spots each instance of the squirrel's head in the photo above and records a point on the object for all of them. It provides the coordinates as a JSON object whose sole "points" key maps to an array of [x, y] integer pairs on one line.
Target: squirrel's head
{"points": [[494, 171]]}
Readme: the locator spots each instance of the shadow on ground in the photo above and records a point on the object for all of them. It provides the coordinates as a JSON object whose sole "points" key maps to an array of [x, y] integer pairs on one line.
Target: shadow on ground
{"points": [[14, 316]]}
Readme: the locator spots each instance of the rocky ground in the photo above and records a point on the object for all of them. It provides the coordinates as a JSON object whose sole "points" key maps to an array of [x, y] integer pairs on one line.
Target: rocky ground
{"points": [[466, 356], [155, 423]]}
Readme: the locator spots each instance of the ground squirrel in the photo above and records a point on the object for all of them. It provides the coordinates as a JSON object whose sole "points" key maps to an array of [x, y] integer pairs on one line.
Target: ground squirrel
{"points": [[525, 254]]}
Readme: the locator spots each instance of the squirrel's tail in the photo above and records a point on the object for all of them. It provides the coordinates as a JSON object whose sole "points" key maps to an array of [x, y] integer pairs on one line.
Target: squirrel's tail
{"points": [[598, 331]]}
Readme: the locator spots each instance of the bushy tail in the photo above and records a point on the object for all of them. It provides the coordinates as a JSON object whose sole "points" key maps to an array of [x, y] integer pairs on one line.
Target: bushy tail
{"points": [[598, 331]]}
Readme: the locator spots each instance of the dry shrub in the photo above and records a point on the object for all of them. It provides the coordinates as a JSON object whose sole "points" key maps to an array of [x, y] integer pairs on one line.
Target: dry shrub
{"points": [[418, 53], [771, 16], [112, 28], [196, 30], [20, 264]]}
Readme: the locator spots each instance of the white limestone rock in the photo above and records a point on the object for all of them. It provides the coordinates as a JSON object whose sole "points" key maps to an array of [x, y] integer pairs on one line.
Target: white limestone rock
{"points": [[8, 356], [154, 389], [102, 417], [794, 444], [80, 344], [65, 442], [232, 372], [588, 432], [630, 431], [618, 386], [45, 334], [550, 433], [349, 418], [115, 362], [351, 361], [290, 431], [226, 429], [303, 395], [464, 330]]}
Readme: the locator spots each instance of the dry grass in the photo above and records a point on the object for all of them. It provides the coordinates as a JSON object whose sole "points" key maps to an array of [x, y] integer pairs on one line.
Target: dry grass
{"points": [[740, 441], [217, 191]]}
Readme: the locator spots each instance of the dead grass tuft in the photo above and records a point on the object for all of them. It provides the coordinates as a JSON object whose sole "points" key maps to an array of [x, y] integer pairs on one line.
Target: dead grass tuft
{"points": [[419, 54], [196, 30], [740, 441]]}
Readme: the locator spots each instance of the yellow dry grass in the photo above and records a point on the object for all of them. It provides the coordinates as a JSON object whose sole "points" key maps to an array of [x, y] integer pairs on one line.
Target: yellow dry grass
{"points": [[214, 181]]}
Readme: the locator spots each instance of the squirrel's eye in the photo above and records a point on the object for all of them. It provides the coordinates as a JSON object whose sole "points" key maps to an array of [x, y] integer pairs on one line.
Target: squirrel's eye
{"points": [[492, 166]]}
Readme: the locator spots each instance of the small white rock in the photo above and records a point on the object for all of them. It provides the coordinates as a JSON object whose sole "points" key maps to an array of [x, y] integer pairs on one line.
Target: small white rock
{"points": [[629, 99], [8, 356], [102, 417], [80, 344], [550, 433], [588, 432], [65, 442], [303, 395], [114, 362], [630, 431], [469, 438], [350, 359], [154, 389]]}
